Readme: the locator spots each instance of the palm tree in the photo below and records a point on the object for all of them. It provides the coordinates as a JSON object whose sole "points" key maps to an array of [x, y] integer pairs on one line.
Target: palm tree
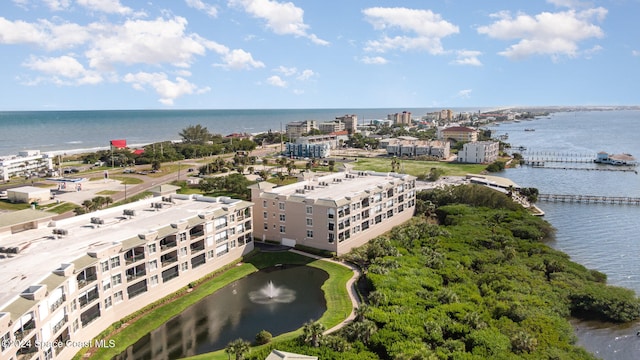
{"points": [[108, 200], [312, 332], [362, 330], [265, 162], [197, 134], [239, 347], [361, 312], [88, 205]]}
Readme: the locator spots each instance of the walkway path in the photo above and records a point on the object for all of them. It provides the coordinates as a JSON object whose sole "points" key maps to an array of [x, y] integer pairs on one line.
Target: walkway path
{"points": [[351, 288]]}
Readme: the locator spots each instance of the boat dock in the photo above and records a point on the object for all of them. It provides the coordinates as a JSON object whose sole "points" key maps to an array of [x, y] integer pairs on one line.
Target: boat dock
{"points": [[589, 199], [541, 165]]}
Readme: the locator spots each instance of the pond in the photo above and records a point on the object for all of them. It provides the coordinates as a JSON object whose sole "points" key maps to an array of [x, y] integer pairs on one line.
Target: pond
{"points": [[278, 300]]}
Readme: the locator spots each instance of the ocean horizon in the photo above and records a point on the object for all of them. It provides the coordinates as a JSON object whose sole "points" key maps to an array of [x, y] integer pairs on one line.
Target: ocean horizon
{"points": [[73, 131]]}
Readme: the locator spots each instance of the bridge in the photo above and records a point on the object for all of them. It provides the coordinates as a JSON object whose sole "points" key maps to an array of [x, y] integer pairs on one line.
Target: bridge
{"points": [[589, 199]]}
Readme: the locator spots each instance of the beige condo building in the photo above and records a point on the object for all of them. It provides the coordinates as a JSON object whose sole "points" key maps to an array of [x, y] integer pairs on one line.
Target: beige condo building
{"points": [[335, 212], [66, 281]]}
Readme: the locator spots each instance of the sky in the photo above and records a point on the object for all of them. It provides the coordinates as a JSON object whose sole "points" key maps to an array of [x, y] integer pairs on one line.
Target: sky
{"points": [[257, 54]]}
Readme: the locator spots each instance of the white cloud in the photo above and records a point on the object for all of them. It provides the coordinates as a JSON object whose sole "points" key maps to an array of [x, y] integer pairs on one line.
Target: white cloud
{"points": [[571, 4], [468, 57], [149, 42], [63, 70], [281, 18], [426, 29], [276, 80], [57, 5], [547, 33], [43, 33], [106, 6], [635, 52], [202, 6], [465, 94], [306, 75], [168, 90], [286, 71], [239, 59], [375, 60]]}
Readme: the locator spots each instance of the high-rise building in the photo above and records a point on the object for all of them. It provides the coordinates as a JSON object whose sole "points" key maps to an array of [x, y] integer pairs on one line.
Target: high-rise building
{"points": [[350, 123]]}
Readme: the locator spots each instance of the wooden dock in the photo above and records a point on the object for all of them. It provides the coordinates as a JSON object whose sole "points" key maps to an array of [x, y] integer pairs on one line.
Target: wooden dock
{"points": [[589, 199], [541, 165]]}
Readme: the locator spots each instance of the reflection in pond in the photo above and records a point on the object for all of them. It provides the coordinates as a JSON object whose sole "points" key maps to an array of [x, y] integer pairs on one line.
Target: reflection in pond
{"points": [[278, 300]]}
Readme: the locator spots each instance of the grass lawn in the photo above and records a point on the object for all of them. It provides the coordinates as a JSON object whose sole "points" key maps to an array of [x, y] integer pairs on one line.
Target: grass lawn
{"points": [[59, 208], [338, 303], [7, 205], [107, 192], [417, 167]]}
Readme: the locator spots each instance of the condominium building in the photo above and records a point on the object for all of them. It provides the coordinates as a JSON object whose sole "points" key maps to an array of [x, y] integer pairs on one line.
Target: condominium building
{"points": [[479, 152], [458, 133], [335, 212], [403, 118], [331, 126], [350, 123], [298, 128], [411, 147], [317, 151], [66, 281], [25, 163]]}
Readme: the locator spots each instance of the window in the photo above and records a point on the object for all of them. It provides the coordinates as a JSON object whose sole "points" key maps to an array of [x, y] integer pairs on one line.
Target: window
{"points": [[332, 226], [115, 262], [232, 244], [265, 215], [309, 210], [106, 284], [266, 226], [184, 266], [107, 302], [282, 217], [4, 341], [153, 281], [183, 251], [281, 206], [310, 234], [309, 222], [264, 203], [76, 325], [152, 248], [282, 229], [331, 213], [332, 238], [210, 254], [153, 265], [182, 236], [117, 297], [116, 279], [104, 265]]}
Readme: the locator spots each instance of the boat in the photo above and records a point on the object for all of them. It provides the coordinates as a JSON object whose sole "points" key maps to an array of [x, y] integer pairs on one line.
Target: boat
{"points": [[529, 129], [615, 159]]}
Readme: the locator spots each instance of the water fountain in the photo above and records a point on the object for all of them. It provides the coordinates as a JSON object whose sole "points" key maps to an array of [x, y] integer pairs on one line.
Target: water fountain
{"points": [[270, 294]]}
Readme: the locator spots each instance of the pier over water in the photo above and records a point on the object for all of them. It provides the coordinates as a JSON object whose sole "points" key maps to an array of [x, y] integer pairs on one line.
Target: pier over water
{"points": [[589, 199]]}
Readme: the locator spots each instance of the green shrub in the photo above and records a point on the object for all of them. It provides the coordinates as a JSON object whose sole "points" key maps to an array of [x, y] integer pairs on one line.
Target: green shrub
{"points": [[263, 337]]}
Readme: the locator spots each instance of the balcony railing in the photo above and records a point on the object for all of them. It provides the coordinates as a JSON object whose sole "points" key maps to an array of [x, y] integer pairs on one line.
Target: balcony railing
{"points": [[196, 234], [57, 304], [136, 292], [84, 301], [168, 245], [197, 249], [87, 280], [134, 258], [168, 261], [60, 324], [136, 275], [21, 334]]}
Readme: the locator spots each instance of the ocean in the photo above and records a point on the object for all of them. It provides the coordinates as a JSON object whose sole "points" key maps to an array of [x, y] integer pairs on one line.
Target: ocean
{"points": [[601, 237], [77, 131]]}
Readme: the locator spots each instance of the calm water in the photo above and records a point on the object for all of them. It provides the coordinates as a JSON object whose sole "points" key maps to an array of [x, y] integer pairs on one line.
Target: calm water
{"points": [[601, 237], [229, 314], [91, 130]]}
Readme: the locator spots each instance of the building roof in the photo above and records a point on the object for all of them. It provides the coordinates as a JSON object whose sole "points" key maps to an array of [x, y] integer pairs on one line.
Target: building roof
{"points": [[41, 252], [458, 129], [28, 189], [119, 144], [23, 216], [335, 189]]}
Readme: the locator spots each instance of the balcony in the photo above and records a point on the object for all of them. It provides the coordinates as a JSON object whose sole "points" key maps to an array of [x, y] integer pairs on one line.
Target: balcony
{"points": [[90, 315], [136, 272], [170, 258], [196, 232], [167, 245], [60, 324], [25, 330], [57, 304], [88, 299], [84, 281], [197, 247], [134, 255]]}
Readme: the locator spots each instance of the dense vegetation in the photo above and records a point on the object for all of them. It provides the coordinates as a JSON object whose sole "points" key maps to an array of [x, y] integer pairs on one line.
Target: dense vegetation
{"points": [[480, 285]]}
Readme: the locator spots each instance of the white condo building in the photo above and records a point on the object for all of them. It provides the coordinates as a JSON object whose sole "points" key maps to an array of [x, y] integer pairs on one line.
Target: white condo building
{"points": [[335, 212], [66, 281], [26, 163], [479, 152]]}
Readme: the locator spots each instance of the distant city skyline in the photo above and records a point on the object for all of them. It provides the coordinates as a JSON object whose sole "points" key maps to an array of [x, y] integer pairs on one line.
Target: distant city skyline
{"points": [[271, 54]]}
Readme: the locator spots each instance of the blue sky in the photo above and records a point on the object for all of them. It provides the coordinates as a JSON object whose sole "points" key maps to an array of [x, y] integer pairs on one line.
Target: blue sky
{"points": [[233, 54]]}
